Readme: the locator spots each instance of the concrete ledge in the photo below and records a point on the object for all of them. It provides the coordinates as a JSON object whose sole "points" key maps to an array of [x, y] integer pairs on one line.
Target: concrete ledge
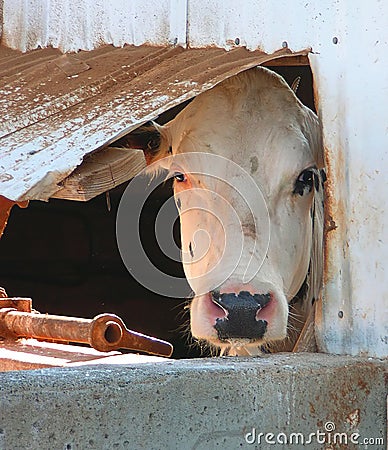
{"points": [[195, 404]]}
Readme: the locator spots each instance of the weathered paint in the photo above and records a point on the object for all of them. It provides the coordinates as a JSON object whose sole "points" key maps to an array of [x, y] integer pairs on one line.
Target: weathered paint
{"points": [[75, 25], [349, 41], [354, 314]]}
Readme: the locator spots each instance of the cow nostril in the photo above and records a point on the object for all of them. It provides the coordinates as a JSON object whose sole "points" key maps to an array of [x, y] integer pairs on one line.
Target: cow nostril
{"points": [[262, 299], [240, 321], [215, 310], [216, 297]]}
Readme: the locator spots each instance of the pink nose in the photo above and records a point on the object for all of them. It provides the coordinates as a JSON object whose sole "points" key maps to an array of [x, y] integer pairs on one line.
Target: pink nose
{"points": [[240, 321]]}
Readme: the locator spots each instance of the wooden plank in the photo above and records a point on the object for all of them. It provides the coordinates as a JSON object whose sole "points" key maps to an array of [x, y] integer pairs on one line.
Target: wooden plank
{"points": [[101, 172], [306, 341]]}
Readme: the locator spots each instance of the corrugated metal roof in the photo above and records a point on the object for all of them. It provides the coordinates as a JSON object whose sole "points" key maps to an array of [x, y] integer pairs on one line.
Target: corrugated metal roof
{"points": [[56, 108]]}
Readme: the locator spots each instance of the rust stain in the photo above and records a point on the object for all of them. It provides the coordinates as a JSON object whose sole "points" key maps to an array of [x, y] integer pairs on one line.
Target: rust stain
{"points": [[363, 385], [330, 224], [5, 209], [316, 94], [335, 209], [334, 212], [347, 397], [353, 419]]}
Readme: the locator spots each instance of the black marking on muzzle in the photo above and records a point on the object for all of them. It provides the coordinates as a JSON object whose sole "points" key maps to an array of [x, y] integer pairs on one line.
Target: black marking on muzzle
{"points": [[241, 309]]}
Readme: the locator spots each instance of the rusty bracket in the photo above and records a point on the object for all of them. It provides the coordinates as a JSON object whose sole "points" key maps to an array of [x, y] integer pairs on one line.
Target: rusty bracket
{"points": [[106, 332]]}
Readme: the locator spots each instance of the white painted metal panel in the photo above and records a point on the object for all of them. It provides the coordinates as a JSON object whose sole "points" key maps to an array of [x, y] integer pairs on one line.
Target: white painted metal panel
{"points": [[74, 25], [352, 88], [255, 23]]}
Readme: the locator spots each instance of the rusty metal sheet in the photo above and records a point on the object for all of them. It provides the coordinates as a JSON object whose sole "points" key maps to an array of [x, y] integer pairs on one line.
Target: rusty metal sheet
{"points": [[58, 108]]}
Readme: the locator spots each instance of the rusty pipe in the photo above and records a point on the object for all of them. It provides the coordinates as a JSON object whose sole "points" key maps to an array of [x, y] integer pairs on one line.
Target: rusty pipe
{"points": [[105, 332]]}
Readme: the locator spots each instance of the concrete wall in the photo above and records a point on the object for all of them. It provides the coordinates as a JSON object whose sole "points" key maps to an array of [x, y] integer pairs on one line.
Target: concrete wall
{"points": [[198, 404]]}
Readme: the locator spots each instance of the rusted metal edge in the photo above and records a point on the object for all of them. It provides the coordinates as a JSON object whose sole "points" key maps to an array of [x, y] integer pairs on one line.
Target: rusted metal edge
{"points": [[5, 209]]}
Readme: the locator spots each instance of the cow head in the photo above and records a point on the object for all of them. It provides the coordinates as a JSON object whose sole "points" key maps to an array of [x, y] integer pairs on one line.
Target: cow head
{"points": [[246, 157]]}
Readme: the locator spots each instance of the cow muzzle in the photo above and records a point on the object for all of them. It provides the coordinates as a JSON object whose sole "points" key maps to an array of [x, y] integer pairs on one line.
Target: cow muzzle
{"points": [[241, 319]]}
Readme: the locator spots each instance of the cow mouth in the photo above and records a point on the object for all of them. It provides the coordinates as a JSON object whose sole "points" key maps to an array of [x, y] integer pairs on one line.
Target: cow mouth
{"points": [[242, 318]]}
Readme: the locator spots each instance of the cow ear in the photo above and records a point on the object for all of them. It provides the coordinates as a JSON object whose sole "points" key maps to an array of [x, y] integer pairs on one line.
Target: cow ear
{"points": [[152, 139]]}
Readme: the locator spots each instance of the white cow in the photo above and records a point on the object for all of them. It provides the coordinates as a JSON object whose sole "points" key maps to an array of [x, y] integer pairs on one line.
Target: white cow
{"points": [[256, 122]]}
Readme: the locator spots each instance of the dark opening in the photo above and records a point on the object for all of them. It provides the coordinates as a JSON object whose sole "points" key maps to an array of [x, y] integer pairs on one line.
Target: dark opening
{"points": [[64, 255], [112, 333]]}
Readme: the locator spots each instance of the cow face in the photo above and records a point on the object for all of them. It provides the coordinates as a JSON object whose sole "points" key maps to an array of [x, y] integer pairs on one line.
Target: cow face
{"points": [[246, 156]]}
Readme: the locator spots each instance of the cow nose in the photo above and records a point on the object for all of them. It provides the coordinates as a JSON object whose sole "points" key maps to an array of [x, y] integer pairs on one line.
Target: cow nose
{"points": [[240, 320]]}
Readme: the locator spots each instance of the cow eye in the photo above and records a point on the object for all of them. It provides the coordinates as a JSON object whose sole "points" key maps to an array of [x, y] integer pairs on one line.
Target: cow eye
{"points": [[305, 182], [179, 176]]}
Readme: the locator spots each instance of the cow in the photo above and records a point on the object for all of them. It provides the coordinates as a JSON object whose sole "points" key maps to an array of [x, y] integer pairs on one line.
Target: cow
{"points": [[246, 153]]}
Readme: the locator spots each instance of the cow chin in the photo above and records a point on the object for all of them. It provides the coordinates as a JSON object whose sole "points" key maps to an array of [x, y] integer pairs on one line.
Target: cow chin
{"points": [[234, 324]]}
